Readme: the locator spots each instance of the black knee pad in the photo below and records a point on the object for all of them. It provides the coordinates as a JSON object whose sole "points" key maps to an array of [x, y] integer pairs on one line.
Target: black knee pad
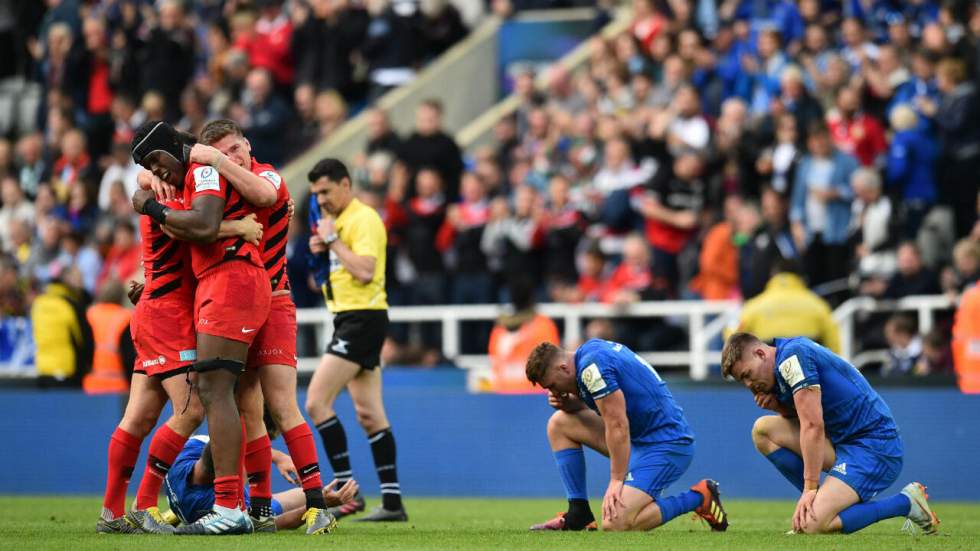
{"points": [[218, 363]]}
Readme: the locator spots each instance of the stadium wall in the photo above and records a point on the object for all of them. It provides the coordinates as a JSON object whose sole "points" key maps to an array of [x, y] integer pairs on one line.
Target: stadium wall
{"points": [[452, 443]]}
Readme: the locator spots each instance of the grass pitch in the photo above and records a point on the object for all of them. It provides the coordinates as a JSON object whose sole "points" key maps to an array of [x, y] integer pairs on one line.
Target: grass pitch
{"points": [[69, 523]]}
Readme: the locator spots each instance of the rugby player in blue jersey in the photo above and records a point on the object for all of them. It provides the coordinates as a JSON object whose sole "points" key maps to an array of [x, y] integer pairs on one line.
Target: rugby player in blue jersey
{"points": [[613, 401], [832, 421]]}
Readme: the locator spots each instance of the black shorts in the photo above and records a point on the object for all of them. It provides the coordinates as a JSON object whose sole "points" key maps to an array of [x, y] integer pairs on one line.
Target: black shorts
{"points": [[358, 336]]}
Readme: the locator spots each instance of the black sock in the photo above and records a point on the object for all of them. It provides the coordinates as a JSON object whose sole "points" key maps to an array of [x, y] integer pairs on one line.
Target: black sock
{"points": [[579, 514], [335, 442], [383, 449], [260, 507], [314, 498]]}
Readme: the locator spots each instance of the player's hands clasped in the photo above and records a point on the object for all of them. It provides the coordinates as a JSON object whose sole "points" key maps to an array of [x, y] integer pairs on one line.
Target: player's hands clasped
{"points": [[804, 510], [612, 503], [346, 493], [767, 400]]}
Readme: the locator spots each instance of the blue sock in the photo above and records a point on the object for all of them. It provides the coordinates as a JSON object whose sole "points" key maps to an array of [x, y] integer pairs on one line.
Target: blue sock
{"points": [[862, 515], [789, 464], [671, 507], [571, 467]]}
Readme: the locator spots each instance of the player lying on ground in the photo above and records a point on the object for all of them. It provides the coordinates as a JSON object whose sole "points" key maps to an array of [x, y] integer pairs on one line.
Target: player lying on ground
{"points": [[232, 301], [832, 421], [613, 401], [190, 488]]}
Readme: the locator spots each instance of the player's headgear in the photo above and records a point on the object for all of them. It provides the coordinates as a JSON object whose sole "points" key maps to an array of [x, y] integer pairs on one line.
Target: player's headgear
{"points": [[158, 136]]}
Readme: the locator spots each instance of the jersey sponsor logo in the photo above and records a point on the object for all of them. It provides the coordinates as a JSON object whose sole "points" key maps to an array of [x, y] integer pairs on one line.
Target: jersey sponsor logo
{"points": [[273, 178], [840, 468], [188, 355], [206, 179], [155, 361], [792, 371], [340, 346], [592, 379]]}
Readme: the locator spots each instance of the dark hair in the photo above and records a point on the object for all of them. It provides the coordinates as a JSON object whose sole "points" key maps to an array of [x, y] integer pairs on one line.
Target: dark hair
{"points": [[331, 169], [787, 266], [540, 361], [903, 323], [433, 103], [734, 350], [216, 130]]}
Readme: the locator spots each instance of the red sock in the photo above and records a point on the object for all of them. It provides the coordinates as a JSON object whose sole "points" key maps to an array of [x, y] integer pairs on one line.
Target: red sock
{"points": [[124, 448], [227, 491], [258, 463], [164, 449], [302, 449], [242, 481]]}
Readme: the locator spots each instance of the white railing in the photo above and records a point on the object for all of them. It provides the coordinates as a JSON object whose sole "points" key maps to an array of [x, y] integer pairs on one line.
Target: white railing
{"points": [[705, 321], [697, 314]]}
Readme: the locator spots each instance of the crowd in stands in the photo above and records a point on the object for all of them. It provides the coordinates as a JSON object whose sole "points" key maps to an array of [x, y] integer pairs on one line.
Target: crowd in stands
{"points": [[79, 76], [697, 151]]}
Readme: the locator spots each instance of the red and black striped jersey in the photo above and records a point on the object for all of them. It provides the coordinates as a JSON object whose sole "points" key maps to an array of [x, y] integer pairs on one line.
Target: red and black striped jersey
{"points": [[275, 227], [166, 261], [205, 180]]}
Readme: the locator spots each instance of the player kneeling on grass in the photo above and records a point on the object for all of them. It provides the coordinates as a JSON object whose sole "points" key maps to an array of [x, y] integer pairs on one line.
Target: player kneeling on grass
{"points": [[833, 421], [190, 488], [613, 401]]}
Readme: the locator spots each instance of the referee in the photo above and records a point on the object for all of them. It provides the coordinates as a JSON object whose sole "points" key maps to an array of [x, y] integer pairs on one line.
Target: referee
{"points": [[351, 238]]}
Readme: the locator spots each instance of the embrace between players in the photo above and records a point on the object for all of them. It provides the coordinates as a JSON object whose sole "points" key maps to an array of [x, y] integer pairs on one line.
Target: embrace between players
{"points": [[215, 334], [830, 420]]}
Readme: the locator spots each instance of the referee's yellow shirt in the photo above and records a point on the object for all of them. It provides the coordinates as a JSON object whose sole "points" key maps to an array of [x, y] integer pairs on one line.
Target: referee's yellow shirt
{"points": [[360, 228]]}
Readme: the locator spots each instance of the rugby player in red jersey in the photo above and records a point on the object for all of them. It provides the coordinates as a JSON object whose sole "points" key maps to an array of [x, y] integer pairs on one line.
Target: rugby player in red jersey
{"points": [[272, 356], [231, 302], [162, 328]]}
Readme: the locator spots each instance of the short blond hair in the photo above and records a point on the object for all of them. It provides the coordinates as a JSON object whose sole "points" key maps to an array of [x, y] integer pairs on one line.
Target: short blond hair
{"points": [[734, 349]]}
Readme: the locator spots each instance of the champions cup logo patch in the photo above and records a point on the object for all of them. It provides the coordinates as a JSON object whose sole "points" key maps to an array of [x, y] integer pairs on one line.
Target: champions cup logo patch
{"points": [[792, 371], [272, 177], [206, 179], [592, 379]]}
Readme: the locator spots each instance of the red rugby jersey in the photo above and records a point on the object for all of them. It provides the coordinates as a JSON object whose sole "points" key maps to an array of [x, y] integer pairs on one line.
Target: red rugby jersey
{"points": [[275, 227], [166, 261], [205, 180]]}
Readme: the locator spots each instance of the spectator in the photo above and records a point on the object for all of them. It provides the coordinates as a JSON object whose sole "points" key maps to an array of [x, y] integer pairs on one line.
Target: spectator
{"points": [[194, 108], [324, 43], [759, 81], [686, 129], [873, 225], [965, 270], [62, 71], [634, 280], [960, 138], [268, 42], [20, 245], [81, 215], [99, 86], [442, 26], [13, 299], [857, 47], [30, 160], [591, 281], [780, 161], [796, 100], [123, 258], [380, 135], [854, 132], [966, 342], [786, 308], [936, 356], [672, 210], [74, 168], [517, 333], [761, 242], [911, 168], [393, 44], [166, 56], [511, 241], [717, 277], [904, 346], [61, 332], [113, 350], [74, 252], [121, 169], [911, 278], [329, 112], [431, 146], [563, 226], [460, 236], [40, 264], [426, 213], [821, 207], [15, 207], [266, 118]]}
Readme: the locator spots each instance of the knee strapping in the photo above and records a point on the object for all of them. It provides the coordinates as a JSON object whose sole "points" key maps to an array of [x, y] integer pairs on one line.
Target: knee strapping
{"points": [[233, 366]]}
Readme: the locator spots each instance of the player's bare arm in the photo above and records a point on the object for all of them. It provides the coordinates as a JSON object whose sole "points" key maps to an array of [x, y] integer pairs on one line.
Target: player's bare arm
{"points": [[613, 410], [810, 412], [254, 188], [361, 267], [199, 224]]}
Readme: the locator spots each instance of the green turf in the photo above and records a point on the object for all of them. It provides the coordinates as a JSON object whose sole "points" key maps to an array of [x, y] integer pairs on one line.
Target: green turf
{"points": [[69, 523]]}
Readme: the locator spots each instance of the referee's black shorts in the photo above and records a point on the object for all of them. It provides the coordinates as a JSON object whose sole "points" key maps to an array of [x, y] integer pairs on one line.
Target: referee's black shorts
{"points": [[358, 336]]}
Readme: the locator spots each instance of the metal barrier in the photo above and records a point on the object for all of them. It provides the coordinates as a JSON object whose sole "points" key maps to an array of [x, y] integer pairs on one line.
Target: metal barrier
{"points": [[705, 321]]}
